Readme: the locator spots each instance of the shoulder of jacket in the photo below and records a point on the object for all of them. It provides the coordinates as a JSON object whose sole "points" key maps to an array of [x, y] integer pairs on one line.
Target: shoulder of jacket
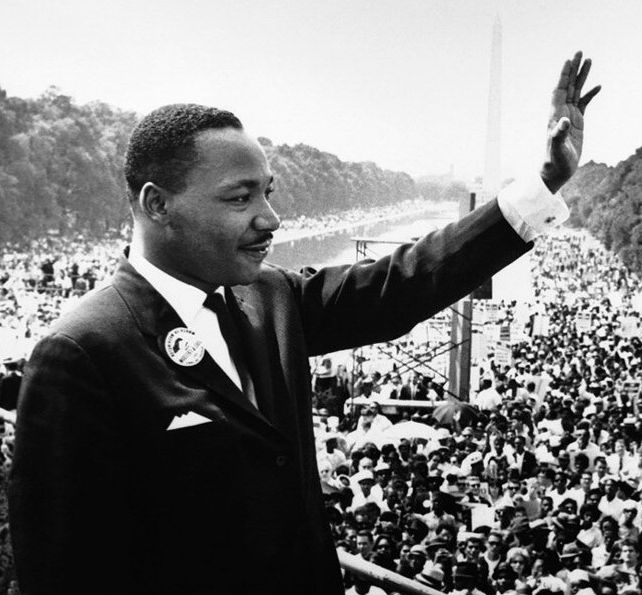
{"points": [[96, 313]]}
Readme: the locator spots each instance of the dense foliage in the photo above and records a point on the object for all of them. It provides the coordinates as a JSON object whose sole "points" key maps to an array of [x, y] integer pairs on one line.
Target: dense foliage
{"points": [[311, 182], [442, 188], [608, 201], [60, 166], [61, 171]]}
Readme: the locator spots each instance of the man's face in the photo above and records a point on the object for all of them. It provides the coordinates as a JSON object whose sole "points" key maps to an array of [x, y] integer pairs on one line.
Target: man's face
{"points": [[384, 546], [583, 438], [560, 481], [493, 545], [474, 486], [219, 227], [351, 537], [325, 472], [519, 444], [364, 545], [628, 514], [473, 549], [512, 488], [610, 487], [600, 468], [366, 464], [547, 505], [593, 499], [629, 555], [585, 481], [382, 478]]}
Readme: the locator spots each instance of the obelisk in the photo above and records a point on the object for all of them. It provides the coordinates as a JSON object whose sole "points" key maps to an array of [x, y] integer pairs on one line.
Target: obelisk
{"points": [[492, 158]]}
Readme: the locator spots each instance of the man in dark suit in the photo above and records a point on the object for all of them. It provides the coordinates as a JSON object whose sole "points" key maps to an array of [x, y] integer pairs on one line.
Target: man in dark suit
{"points": [[164, 439], [525, 460]]}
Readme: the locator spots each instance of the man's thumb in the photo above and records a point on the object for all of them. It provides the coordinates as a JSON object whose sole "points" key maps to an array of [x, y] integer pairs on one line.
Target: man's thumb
{"points": [[560, 132]]}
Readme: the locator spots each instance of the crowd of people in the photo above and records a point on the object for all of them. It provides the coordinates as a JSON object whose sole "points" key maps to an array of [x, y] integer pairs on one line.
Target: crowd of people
{"points": [[532, 488]]}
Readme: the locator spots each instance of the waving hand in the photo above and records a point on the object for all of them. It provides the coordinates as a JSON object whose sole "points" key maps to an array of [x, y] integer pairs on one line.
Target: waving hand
{"points": [[566, 123]]}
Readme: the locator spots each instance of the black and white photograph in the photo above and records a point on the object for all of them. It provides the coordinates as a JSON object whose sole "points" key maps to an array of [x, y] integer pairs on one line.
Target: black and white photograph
{"points": [[320, 298]]}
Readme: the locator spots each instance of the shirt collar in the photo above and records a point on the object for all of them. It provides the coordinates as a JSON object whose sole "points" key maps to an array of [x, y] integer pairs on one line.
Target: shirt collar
{"points": [[186, 299]]}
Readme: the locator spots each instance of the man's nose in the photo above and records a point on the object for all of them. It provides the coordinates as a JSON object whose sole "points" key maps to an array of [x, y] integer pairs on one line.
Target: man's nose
{"points": [[266, 219]]}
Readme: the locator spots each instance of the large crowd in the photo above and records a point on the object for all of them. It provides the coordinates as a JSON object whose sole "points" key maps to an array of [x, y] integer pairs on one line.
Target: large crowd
{"points": [[533, 487]]}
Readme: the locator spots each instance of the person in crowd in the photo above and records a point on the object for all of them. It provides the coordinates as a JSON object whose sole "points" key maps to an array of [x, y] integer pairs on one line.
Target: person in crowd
{"points": [[603, 554], [542, 574], [364, 543], [525, 461], [590, 533], [431, 576], [628, 529], [611, 504]]}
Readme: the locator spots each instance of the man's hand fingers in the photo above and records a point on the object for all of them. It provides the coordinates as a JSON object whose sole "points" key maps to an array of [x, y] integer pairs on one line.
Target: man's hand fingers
{"points": [[562, 84], [584, 101], [572, 76], [581, 79]]}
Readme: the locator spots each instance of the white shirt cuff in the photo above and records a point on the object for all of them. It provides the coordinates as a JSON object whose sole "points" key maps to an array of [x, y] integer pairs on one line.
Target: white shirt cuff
{"points": [[530, 208]]}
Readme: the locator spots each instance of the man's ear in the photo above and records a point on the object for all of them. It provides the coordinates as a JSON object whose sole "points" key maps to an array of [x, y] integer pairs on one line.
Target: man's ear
{"points": [[152, 202]]}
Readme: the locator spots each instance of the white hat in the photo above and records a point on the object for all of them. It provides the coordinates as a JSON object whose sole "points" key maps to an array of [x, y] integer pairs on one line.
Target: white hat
{"points": [[363, 475]]}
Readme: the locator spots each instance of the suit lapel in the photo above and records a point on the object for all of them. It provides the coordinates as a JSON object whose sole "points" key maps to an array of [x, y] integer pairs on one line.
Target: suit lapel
{"points": [[206, 372], [157, 318]]}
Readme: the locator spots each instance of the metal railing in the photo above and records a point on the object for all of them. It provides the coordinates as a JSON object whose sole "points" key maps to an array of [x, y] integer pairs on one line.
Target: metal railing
{"points": [[382, 577]]}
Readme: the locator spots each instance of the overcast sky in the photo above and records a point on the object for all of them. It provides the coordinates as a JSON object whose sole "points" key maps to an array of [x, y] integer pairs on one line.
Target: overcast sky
{"points": [[403, 83]]}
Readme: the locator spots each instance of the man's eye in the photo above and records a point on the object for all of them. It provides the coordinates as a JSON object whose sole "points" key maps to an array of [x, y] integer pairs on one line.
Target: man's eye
{"points": [[243, 198]]}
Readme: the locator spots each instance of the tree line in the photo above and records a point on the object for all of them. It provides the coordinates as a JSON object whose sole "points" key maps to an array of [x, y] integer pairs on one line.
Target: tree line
{"points": [[608, 202], [61, 172]]}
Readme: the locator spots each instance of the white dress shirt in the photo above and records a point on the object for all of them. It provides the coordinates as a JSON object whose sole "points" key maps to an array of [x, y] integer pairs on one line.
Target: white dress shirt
{"points": [[187, 301], [530, 208]]}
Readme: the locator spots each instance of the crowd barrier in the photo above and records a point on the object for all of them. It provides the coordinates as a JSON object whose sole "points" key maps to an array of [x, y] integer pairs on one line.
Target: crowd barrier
{"points": [[382, 577]]}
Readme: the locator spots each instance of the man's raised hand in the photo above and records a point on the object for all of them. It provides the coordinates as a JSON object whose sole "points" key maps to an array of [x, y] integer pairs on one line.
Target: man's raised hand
{"points": [[566, 123]]}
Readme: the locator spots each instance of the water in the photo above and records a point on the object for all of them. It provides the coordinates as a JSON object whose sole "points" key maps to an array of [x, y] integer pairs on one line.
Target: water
{"points": [[338, 247]]}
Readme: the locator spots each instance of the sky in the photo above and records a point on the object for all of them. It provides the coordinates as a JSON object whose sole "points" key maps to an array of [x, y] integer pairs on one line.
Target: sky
{"points": [[403, 83]]}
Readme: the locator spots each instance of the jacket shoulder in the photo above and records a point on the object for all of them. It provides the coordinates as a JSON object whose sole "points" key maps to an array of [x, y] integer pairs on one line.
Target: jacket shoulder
{"points": [[97, 315]]}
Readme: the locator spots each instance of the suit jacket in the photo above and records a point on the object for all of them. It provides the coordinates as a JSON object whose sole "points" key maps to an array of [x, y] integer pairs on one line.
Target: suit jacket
{"points": [[529, 465], [105, 499]]}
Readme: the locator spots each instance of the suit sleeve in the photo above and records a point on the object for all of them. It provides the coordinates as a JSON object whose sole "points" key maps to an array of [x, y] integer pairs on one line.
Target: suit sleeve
{"points": [[67, 512], [373, 301]]}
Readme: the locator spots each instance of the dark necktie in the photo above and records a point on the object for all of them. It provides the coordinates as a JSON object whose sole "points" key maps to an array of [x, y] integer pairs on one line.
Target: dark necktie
{"points": [[216, 303]]}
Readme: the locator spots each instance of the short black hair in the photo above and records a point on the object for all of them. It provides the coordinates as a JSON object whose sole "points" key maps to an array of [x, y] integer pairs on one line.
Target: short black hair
{"points": [[161, 148]]}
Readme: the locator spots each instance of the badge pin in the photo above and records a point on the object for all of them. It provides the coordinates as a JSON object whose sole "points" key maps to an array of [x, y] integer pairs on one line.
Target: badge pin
{"points": [[183, 347]]}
